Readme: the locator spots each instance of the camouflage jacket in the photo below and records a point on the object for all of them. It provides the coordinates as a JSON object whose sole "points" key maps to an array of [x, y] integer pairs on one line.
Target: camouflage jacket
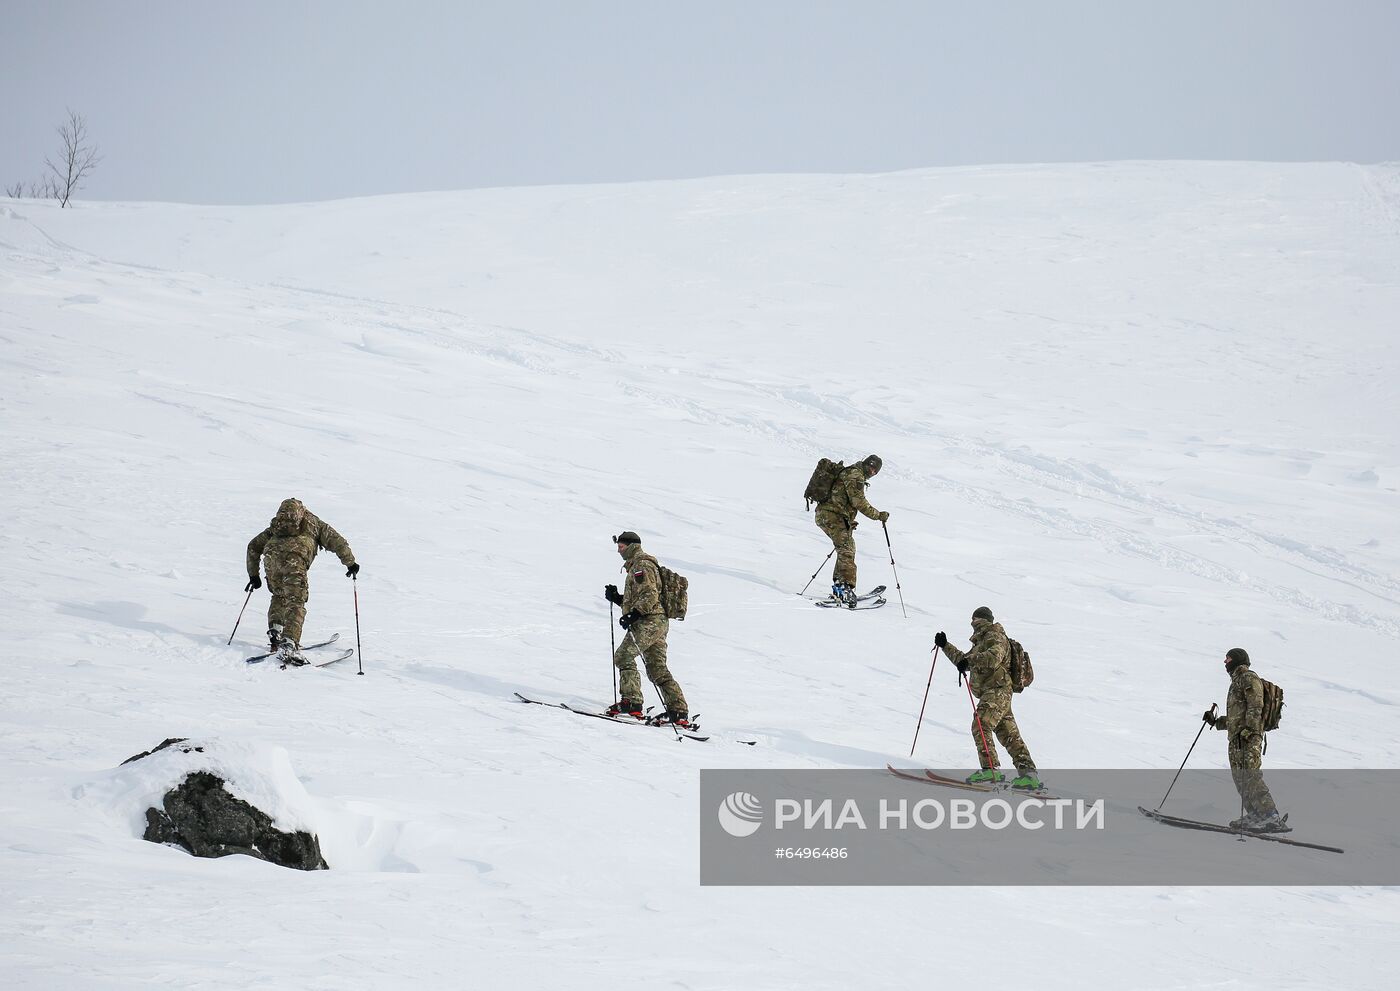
{"points": [[1244, 706], [642, 590], [848, 495], [989, 660], [294, 540]]}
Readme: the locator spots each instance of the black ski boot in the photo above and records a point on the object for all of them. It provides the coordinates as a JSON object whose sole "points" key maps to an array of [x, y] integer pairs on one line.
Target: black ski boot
{"points": [[624, 708]]}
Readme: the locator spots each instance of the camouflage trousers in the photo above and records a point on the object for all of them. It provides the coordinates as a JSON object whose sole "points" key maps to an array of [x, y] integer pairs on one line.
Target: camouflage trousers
{"points": [[290, 591], [650, 635], [993, 718], [842, 535], [1245, 762]]}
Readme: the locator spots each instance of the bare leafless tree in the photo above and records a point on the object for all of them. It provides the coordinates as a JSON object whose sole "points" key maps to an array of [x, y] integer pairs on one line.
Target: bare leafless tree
{"points": [[41, 189], [76, 160]]}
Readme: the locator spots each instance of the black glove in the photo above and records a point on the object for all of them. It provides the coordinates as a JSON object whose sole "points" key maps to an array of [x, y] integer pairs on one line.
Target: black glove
{"points": [[612, 595], [629, 618], [962, 666], [352, 571], [1209, 717], [254, 582], [940, 639]]}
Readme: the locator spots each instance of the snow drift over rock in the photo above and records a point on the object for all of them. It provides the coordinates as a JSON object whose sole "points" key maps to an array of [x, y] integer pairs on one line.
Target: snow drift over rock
{"points": [[258, 773]]}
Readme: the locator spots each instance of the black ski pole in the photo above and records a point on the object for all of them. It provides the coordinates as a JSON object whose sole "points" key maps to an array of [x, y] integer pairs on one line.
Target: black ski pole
{"points": [[240, 612], [920, 724], [894, 569], [359, 650], [612, 639], [1213, 707], [817, 572]]}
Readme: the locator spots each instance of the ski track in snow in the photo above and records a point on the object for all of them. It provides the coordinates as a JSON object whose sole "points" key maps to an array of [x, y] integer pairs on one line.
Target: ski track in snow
{"points": [[1132, 407]]}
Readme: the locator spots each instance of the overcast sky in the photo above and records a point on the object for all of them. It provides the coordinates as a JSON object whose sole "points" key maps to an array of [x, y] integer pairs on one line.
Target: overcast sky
{"points": [[260, 102]]}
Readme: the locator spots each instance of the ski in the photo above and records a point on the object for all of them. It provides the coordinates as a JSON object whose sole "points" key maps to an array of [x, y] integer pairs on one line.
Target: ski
{"points": [[548, 705], [621, 720], [860, 605], [1211, 827], [930, 778], [256, 658], [875, 592], [345, 655], [624, 720], [1000, 786], [633, 721], [906, 775]]}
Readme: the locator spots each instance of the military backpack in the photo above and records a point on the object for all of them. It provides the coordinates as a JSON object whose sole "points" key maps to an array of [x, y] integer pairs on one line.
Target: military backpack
{"points": [[823, 480], [1273, 705], [675, 592], [1022, 674]]}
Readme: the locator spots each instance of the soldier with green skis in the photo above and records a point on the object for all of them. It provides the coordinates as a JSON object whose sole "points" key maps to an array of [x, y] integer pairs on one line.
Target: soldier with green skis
{"points": [[988, 669], [644, 620], [836, 516], [1245, 721], [286, 548]]}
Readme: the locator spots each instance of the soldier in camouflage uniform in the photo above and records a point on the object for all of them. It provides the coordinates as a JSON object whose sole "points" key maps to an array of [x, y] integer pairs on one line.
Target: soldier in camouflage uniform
{"points": [[287, 548], [1244, 722], [837, 519], [988, 669], [644, 620]]}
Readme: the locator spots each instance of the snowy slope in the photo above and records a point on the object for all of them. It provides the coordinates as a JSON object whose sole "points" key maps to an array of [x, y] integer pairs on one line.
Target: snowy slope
{"points": [[1146, 411]]}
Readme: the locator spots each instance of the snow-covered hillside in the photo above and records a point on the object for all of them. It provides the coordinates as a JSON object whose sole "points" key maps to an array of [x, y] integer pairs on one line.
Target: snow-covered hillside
{"points": [[1146, 411]]}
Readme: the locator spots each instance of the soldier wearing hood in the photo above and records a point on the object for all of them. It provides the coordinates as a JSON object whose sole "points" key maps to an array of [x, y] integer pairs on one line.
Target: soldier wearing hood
{"points": [[287, 548], [644, 619], [836, 516], [988, 669]]}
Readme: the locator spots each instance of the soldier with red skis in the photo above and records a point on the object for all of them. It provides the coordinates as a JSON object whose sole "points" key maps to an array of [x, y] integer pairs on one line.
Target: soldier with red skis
{"points": [[988, 669]]}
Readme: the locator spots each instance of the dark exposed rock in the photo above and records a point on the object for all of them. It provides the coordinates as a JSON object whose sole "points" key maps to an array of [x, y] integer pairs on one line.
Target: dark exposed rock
{"points": [[165, 743], [201, 816]]}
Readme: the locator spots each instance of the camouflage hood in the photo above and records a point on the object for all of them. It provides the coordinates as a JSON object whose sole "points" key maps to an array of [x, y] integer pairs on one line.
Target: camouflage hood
{"points": [[288, 519], [989, 658], [292, 540], [983, 628]]}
